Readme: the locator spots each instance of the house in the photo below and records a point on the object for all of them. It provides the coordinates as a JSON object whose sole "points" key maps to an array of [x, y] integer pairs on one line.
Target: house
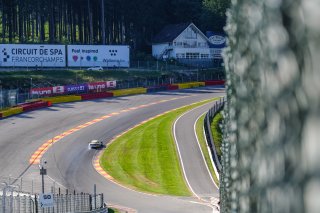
{"points": [[183, 42]]}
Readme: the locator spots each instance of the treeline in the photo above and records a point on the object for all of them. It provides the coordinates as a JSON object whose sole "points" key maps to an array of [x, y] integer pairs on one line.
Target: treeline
{"points": [[132, 22]]}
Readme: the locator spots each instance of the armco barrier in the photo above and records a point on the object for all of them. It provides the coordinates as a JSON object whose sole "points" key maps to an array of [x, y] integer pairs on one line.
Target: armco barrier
{"points": [[132, 91], [62, 99], [96, 95], [213, 83], [11, 111]]}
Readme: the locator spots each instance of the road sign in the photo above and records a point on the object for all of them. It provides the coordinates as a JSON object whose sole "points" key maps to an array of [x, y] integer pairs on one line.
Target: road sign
{"points": [[46, 200]]}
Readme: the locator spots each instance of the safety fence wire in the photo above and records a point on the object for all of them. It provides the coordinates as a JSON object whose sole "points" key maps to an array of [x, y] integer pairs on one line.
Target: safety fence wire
{"points": [[272, 116]]}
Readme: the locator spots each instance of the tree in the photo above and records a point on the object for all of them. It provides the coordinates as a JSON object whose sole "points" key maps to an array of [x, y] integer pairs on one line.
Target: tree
{"points": [[214, 14]]}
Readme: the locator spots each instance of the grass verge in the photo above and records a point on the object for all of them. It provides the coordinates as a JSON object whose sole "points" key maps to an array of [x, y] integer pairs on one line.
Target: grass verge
{"points": [[203, 145], [146, 159], [113, 211], [217, 133]]}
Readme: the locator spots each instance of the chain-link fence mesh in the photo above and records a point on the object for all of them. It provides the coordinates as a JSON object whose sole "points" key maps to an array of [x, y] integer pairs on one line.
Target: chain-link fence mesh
{"points": [[12, 97], [272, 116], [12, 201]]}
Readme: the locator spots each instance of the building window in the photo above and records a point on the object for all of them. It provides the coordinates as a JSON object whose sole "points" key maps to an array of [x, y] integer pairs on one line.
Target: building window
{"points": [[178, 44], [192, 55], [204, 56], [181, 55], [190, 33], [202, 44]]}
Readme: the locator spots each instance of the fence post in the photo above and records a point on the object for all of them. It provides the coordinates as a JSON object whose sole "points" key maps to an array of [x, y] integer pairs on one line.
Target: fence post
{"points": [[95, 195], [102, 203], [90, 202], [36, 203], [66, 198], [4, 194]]}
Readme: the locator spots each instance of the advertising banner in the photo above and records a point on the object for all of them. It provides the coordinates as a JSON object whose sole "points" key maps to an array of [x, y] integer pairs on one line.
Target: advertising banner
{"points": [[111, 84], [41, 91], [101, 86], [58, 90], [97, 86], [27, 55], [78, 88], [98, 55]]}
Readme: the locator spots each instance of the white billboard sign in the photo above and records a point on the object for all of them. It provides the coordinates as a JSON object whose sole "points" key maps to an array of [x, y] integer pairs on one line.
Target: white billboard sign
{"points": [[28, 55], [98, 55], [46, 200]]}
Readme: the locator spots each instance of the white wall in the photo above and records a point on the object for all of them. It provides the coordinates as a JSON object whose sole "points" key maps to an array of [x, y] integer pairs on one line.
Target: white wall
{"points": [[186, 42], [158, 49], [182, 38]]}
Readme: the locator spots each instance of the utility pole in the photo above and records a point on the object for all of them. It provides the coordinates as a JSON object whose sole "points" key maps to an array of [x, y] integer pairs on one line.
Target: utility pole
{"points": [[43, 172]]}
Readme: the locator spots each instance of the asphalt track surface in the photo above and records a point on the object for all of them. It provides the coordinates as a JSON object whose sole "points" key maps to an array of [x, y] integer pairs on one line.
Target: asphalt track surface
{"points": [[69, 161], [196, 171]]}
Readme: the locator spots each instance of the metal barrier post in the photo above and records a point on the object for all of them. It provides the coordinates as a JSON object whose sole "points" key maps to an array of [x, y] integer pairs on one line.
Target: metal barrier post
{"points": [[4, 200]]}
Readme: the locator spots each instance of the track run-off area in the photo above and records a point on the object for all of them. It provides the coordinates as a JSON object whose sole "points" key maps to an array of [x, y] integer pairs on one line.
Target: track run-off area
{"points": [[60, 135]]}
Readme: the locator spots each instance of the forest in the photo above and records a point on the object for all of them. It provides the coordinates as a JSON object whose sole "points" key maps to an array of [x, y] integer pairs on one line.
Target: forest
{"points": [[133, 22]]}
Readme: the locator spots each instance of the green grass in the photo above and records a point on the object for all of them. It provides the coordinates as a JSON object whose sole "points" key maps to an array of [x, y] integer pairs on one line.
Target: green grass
{"points": [[203, 145], [146, 158], [113, 211], [217, 133]]}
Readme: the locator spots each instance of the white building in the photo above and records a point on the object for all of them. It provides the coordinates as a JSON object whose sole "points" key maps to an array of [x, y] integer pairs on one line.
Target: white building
{"points": [[181, 41]]}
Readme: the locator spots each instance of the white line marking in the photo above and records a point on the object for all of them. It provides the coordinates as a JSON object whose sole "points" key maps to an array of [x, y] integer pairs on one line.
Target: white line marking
{"points": [[214, 166], [180, 157], [181, 161], [205, 162]]}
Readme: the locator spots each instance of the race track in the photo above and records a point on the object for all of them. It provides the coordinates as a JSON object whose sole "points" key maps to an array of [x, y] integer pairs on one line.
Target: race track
{"points": [[70, 160]]}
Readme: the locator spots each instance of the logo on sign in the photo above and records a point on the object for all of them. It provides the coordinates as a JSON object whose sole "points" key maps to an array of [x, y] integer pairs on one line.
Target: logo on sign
{"points": [[46, 200], [75, 58], [217, 39], [113, 52], [6, 56]]}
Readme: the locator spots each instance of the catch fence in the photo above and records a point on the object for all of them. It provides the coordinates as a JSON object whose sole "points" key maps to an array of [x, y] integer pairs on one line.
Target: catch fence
{"points": [[12, 97], [14, 202], [271, 158]]}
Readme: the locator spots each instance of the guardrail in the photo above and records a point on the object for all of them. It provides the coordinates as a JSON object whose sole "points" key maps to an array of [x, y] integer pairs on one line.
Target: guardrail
{"points": [[207, 129]]}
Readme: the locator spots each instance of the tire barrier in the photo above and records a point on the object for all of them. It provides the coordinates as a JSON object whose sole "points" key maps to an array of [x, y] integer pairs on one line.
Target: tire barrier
{"points": [[156, 89], [48, 101], [96, 95], [213, 83], [34, 105], [62, 99], [190, 85], [133, 91], [172, 87], [11, 111]]}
